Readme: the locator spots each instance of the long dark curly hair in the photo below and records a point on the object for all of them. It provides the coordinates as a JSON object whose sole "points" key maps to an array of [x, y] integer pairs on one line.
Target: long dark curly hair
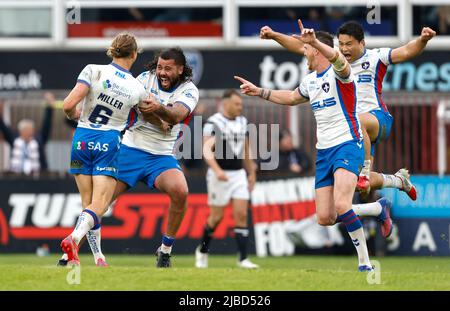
{"points": [[177, 54]]}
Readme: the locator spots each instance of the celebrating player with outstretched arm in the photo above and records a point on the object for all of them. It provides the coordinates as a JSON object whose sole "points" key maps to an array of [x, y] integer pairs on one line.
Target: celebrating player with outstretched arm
{"points": [[330, 89], [108, 93], [369, 67]]}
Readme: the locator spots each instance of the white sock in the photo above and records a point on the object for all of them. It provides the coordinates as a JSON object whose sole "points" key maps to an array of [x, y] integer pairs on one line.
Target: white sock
{"points": [[367, 209], [359, 240], [365, 171], [84, 224], [392, 181], [166, 249], [94, 239]]}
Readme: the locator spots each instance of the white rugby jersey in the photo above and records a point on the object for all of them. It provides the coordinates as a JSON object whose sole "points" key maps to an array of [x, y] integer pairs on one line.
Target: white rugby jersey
{"points": [[333, 102], [230, 135], [113, 91], [369, 71], [148, 137]]}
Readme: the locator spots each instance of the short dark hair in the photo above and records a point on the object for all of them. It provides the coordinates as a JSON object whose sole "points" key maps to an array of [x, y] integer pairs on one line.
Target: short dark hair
{"points": [[230, 92], [325, 37], [352, 29], [285, 133], [177, 54]]}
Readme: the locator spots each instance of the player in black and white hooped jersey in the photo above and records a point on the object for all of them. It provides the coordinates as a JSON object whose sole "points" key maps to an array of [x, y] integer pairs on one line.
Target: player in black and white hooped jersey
{"points": [[230, 177]]}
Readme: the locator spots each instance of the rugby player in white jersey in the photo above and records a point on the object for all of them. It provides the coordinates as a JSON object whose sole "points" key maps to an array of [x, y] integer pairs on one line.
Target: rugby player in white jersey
{"points": [[369, 66], [147, 151], [231, 175], [331, 91], [108, 93]]}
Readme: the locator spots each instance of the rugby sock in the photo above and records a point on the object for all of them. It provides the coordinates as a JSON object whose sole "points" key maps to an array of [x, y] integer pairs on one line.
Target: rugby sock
{"points": [[366, 168], [241, 239], [392, 181], [86, 221], [94, 239], [367, 209], [206, 239], [356, 232], [166, 245]]}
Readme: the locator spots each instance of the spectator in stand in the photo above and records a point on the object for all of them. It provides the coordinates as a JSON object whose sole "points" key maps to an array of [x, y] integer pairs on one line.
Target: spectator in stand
{"points": [[294, 160], [28, 147]]}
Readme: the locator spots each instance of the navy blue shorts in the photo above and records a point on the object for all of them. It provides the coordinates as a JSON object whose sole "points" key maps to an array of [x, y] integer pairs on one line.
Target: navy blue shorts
{"points": [[138, 165], [95, 152], [385, 121], [348, 155]]}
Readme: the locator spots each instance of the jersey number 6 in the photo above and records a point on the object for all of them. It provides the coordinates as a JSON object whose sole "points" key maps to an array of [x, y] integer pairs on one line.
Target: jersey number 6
{"points": [[100, 115]]}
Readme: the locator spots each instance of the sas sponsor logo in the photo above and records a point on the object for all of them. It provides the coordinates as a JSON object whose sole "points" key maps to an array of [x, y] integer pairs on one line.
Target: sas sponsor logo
{"points": [[91, 145], [364, 78], [79, 145], [328, 102]]}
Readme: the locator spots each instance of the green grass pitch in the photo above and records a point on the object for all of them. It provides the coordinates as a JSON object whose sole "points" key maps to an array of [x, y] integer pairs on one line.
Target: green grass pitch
{"points": [[296, 273]]}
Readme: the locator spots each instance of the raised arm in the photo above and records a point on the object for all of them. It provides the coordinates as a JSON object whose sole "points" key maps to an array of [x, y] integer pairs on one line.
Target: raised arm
{"points": [[412, 48], [340, 64], [289, 43], [281, 97], [7, 132]]}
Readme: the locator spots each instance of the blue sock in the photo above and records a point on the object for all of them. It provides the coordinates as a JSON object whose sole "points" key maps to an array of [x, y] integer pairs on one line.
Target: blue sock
{"points": [[166, 245], [351, 221], [167, 241], [356, 233]]}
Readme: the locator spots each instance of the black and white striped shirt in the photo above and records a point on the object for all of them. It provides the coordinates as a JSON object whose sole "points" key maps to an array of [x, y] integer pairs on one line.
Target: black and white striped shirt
{"points": [[230, 138]]}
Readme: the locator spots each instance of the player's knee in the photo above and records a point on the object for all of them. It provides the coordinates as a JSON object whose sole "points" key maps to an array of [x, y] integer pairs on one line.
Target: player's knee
{"points": [[325, 219], [178, 192], [341, 207]]}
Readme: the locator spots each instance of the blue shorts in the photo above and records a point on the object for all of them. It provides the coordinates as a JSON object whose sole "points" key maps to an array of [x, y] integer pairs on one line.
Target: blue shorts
{"points": [[95, 152], [385, 124], [348, 155], [138, 165]]}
